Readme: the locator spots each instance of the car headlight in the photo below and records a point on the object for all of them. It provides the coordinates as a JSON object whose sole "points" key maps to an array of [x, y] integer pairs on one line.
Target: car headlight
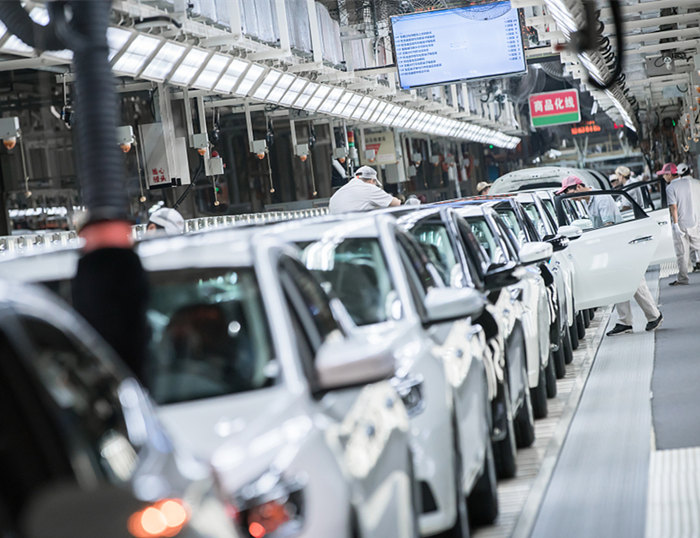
{"points": [[271, 506], [410, 389]]}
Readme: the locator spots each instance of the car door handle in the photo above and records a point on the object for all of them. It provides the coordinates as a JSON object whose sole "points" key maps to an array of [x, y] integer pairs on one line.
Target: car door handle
{"points": [[641, 240], [662, 222]]}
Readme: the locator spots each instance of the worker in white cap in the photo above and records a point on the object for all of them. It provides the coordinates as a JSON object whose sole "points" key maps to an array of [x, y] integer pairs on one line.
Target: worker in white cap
{"points": [[166, 220], [684, 220], [482, 188], [361, 193], [684, 171], [623, 176]]}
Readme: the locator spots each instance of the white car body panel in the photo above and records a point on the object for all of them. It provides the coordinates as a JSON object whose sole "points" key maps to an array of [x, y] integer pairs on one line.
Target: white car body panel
{"points": [[664, 253]]}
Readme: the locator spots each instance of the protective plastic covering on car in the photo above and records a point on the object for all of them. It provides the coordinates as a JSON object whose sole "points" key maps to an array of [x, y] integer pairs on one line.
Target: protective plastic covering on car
{"points": [[330, 35]]}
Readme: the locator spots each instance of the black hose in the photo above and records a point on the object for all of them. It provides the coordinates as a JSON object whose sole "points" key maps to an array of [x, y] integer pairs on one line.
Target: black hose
{"points": [[19, 23], [619, 40], [101, 165]]}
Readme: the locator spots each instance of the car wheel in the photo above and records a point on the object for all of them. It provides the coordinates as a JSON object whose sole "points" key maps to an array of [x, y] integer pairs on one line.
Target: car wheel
{"points": [[591, 313], [567, 347], [483, 499], [586, 318], [559, 357], [505, 450], [580, 326], [539, 395], [573, 336], [551, 376], [525, 423]]}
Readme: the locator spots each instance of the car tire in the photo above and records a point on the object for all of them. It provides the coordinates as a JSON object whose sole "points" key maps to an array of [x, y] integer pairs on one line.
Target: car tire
{"points": [[483, 499], [567, 347], [551, 374], [573, 336], [591, 313], [505, 451], [539, 395], [525, 423], [586, 318], [559, 357], [580, 326]]}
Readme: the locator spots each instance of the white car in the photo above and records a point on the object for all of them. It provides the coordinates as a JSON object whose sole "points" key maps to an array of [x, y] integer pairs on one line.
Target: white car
{"points": [[255, 371], [391, 289], [536, 314]]}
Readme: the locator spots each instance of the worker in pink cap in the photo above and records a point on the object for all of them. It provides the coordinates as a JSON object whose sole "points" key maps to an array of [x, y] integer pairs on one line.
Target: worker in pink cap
{"points": [[604, 212], [684, 220]]}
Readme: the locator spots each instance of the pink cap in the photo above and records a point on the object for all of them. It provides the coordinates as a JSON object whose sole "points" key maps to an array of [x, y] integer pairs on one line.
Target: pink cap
{"points": [[569, 181], [669, 168]]}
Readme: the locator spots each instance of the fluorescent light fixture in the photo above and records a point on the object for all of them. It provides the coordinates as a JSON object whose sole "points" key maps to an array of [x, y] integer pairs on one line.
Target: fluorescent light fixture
{"points": [[251, 76], [230, 77], [163, 62], [306, 95], [378, 111], [330, 101], [211, 73], [352, 105], [293, 92], [188, 68], [116, 39], [278, 91], [140, 49], [342, 103], [360, 110], [317, 97], [371, 107], [267, 84]]}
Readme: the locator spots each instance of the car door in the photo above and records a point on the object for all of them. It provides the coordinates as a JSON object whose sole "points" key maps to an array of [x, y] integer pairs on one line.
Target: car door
{"points": [[612, 255], [651, 195], [368, 427]]}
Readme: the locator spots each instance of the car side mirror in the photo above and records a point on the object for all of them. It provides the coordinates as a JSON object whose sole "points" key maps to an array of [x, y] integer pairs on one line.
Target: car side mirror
{"points": [[535, 252], [558, 242], [447, 304], [354, 361], [501, 276], [570, 231], [584, 224]]}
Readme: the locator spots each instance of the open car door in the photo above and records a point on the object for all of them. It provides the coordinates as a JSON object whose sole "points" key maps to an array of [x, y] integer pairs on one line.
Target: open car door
{"points": [[651, 195], [615, 249]]}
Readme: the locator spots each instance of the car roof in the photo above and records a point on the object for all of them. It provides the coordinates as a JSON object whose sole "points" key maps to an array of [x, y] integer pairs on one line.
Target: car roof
{"points": [[547, 177], [336, 226]]}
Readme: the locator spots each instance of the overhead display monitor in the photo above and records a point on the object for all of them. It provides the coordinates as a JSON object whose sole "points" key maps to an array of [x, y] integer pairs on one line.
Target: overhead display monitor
{"points": [[451, 45]]}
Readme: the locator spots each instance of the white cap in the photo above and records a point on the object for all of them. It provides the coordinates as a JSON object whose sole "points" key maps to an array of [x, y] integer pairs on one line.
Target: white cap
{"points": [[682, 169], [169, 219], [366, 172]]}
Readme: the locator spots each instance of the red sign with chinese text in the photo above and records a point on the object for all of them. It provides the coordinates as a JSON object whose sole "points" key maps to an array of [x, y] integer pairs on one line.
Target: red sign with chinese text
{"points": [[554, 108]]}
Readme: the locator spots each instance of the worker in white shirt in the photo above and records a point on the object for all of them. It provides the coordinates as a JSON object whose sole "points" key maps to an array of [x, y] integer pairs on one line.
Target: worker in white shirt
{"points": [[604, 212], [684, 221], [684, 171], [623, 176], [361, 193]]}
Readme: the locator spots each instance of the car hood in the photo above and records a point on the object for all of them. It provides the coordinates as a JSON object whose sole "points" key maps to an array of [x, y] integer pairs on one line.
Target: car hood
{"points": [[241, 433]]}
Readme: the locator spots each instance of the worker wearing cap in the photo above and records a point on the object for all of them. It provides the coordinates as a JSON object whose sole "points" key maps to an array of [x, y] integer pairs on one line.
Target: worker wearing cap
{"points": [[166, 220], [361, 193], [602, 209], [623, 176], [684, 220], [604, 212], [482, 188]]}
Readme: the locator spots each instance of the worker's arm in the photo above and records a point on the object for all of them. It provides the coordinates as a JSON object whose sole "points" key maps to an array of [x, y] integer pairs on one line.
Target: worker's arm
{"points": [[673, 210], [394, 202]]}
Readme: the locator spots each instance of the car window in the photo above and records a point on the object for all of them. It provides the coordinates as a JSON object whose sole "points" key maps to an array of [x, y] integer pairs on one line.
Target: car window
{"points": [[649, 195], [423, 268], [536, 218], [209, 334], [491, 245], [435, 240], [600, 210], [477, 258], [85, 396], [310, 301], [511, 220], [354, 269]]}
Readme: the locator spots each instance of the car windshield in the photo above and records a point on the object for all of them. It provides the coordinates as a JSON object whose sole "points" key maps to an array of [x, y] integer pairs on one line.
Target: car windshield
{"points": [[354, 270], [511, 220], [435, 241], [209, 335], [488, 241]]}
